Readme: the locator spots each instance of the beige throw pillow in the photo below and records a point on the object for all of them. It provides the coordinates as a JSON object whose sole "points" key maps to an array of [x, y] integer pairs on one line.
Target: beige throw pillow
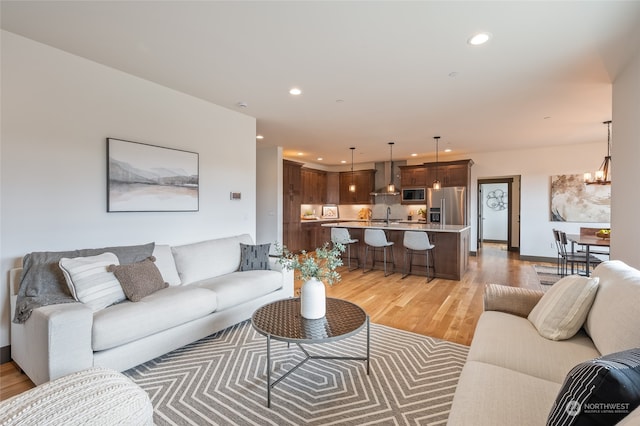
{"points": [[139, 279], [562, 310]]}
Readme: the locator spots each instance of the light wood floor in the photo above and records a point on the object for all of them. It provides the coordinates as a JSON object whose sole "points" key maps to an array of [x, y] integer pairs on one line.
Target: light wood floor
{"points": [[442, 308]]}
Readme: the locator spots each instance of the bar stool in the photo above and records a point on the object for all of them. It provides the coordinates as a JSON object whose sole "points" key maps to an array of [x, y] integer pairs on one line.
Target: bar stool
{"points": [[377, 239], [418, 241], [342, 236]]}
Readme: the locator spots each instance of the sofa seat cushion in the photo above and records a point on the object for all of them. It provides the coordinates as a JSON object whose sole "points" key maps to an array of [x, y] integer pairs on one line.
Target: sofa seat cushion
{"points": [[166, 308], [491, 395], [239, 287], [513, 342]]}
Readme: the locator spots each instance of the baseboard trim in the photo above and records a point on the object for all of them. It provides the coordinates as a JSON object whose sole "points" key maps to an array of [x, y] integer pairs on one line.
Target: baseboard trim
{"points": [[539, 259], [5, 354]]}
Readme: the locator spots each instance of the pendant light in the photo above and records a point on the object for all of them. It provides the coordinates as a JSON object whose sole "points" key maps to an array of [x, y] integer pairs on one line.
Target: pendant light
{"points": [[436, 182], [391, 188], [602, 175], [352, 186]]}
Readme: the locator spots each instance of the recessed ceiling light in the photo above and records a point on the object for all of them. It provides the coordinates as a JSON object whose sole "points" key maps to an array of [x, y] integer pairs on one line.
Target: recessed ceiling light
{"points": [[414, 155], [343, 161], [300, 154], [478, 39], [320, 158], [447, 150], [259, 137], [295, 91]]}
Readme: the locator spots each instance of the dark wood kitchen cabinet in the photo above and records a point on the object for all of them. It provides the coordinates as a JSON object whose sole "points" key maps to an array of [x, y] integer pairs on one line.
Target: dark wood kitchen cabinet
{"points": [[413, 176], [314, 235], [333, 188], [291, 200], [450, 173], [364, 180], [314, 186]]}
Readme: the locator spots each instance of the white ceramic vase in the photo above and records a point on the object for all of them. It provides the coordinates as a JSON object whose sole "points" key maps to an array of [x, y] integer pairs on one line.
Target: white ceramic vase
{"points": [[313, 301]]}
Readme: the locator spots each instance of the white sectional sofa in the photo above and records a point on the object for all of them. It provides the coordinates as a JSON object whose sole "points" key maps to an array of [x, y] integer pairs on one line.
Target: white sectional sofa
{"points": [[513, 375], [206, 293]]}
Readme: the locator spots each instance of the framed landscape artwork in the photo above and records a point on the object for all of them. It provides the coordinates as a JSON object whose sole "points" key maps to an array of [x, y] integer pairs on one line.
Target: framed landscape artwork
{"points": [[574, 201], [149, 178]]}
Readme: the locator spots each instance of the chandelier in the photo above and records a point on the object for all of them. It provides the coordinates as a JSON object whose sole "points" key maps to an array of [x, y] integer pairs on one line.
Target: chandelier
{"points": [[603, 175]]}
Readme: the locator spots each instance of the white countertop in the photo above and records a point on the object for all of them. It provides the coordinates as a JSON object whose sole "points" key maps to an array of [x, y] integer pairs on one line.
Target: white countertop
{"points": [[399, 226]]}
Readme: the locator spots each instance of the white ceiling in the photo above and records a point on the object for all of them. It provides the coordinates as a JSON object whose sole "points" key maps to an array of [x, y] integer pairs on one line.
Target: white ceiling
{"points": [[543, 79]]}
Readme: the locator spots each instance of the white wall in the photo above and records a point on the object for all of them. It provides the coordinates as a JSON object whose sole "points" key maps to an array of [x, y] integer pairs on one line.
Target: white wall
{"points": [[625, 157], [58, 110], [535, 166], [269, 195]]}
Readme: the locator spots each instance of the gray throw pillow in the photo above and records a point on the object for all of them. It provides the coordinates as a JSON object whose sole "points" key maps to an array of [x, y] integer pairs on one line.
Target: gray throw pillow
{"points": [[254, 258], [139, 279]]}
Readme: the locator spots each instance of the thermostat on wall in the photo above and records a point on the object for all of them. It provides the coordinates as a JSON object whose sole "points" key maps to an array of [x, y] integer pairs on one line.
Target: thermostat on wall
{"points": [[236, 195]]}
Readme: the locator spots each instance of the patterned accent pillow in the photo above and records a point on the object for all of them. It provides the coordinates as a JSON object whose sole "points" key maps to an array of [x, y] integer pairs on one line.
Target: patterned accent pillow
{"points": [[563, 309], [600, 391], [254, 257], [89, 281], [139, 279]]}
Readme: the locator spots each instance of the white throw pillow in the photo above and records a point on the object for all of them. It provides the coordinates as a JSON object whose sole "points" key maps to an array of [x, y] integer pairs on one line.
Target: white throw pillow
{"points": [[564, 308], [89, 281]]}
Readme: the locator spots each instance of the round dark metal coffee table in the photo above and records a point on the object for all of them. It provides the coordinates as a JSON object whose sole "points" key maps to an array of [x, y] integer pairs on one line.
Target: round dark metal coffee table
{"points": [[281, 320]]}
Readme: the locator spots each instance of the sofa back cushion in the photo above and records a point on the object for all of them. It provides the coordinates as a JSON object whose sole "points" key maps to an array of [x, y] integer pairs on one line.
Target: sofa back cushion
{"points": [[613, 321], [166, 264], [207, 259]]}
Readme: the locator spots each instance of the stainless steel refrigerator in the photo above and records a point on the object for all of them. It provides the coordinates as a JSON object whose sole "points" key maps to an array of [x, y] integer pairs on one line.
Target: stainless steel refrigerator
{"points": [[447, 206]]}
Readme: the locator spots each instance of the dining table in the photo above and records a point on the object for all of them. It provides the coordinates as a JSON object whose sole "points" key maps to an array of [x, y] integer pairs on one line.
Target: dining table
{"points": [[589, 241]]}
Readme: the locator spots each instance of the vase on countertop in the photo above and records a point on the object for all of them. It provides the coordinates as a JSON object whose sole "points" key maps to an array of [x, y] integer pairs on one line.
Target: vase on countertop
{"points": [[313, 300]]}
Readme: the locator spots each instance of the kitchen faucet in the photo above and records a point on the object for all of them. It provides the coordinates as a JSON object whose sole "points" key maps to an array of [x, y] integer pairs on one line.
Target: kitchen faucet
{"points": [[388, 214]]}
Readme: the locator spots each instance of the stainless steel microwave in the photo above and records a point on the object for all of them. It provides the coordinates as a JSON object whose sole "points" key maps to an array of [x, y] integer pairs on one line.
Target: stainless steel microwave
{"points": [[413, 194]]}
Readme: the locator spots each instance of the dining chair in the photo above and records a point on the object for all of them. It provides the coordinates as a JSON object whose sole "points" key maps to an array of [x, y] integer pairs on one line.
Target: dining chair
{"points": [[342, 236], [376, 239], [418, 241], [574, 258], [560, 253]]}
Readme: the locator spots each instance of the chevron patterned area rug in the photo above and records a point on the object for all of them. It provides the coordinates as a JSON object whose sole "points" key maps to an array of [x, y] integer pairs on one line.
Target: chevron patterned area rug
{"points": [[221, 380]]}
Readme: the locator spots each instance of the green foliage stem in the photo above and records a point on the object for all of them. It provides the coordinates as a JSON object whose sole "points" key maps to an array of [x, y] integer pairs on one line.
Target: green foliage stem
{"points": [[320, 264]]}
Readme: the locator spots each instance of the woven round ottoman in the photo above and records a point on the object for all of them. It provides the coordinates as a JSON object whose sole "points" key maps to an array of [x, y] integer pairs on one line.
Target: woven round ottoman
{"points": [[97, 396]]}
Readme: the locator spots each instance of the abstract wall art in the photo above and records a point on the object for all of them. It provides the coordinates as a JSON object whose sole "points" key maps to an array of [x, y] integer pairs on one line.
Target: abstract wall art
{"points": [[149, 178], [574, 201]]}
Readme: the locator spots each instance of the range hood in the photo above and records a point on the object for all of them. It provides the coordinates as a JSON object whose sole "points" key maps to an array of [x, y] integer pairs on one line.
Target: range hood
{"points": [[387, 172]]}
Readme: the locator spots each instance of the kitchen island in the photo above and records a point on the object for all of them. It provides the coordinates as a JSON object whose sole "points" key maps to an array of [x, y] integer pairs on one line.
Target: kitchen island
{"points": [[451, 252]]}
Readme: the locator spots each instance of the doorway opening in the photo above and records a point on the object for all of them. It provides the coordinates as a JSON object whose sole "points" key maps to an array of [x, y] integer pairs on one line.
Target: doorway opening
{"points": [[499, 213]]}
